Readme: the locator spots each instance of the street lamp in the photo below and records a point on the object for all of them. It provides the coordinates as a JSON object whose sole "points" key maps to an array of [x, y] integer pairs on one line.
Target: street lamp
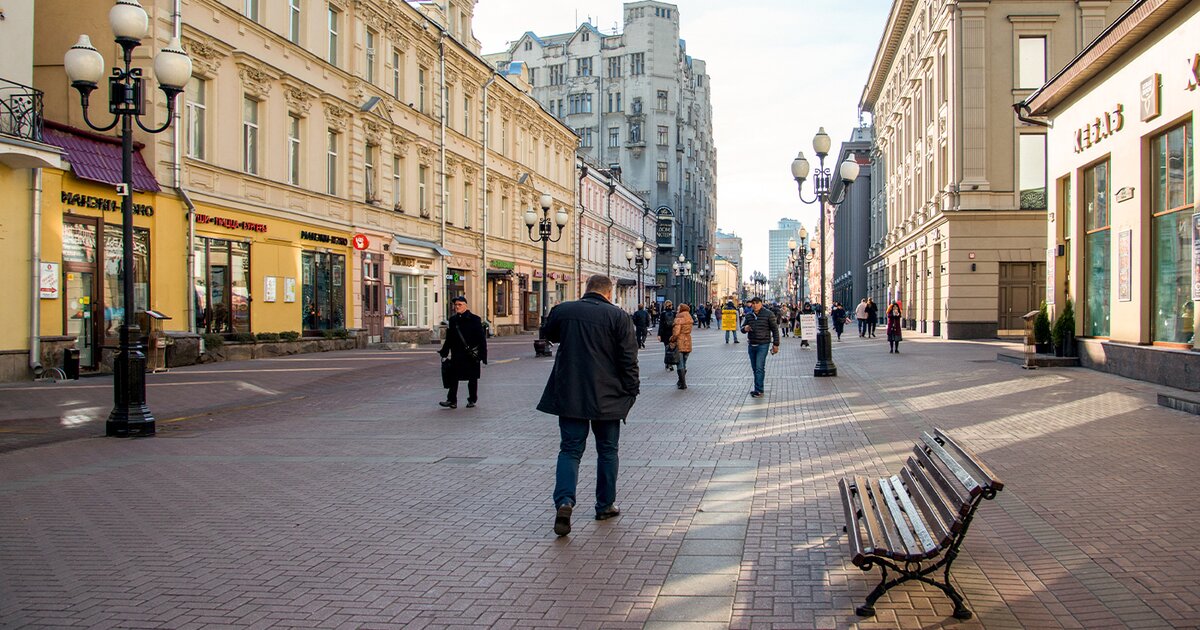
{"points": [[848, 171], [683, 270], [638, 258], [541, 346], [706, 274], [798, 260], [130, 416]]}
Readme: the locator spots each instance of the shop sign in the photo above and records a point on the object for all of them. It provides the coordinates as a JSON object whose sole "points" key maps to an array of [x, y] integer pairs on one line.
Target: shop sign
{"points": [[1151, 106], [1051, 255], [1196, 256], [230, 224], [101, 203], [1125, 266], [1100, 128], [664, 232], [404, 262], [1124, 194], [323, 238], [49, 281], [361, 242], [1194, 82], [503, 264]]}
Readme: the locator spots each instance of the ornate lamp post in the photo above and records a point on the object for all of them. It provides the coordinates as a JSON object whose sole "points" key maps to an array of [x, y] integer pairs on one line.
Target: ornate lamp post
{"points": [[638, 258], [541, 346], [848, 171], [683, 270], [706, 273], [798, 260], [84, 65]]}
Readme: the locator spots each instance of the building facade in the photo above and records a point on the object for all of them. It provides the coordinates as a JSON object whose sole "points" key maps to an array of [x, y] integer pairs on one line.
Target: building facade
{"points": [[612, 219], [962, 180], [727, 282], [778, 252], [729, 247], [333, 166], [1124, 233], [637, 100], [851, 222]]}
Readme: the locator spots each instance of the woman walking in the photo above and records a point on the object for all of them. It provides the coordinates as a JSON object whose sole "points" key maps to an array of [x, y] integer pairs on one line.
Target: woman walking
{"points": [[681, 340], [839, 319], [894, 316]]}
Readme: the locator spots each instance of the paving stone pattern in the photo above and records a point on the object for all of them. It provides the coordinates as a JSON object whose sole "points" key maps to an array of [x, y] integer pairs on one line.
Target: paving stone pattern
{"points": [[331, 492]]}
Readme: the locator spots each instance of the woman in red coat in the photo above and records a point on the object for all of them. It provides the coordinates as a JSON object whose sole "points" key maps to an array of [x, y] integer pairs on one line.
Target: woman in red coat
{"points": [[894, 315]]}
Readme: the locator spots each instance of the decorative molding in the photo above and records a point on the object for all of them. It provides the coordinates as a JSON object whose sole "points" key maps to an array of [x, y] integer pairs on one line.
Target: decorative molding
{"points": [[336, 117], [255, 79], [373, 131], [425, 58], [426, 153], [341, 4], [206, 55], [299, 99]]}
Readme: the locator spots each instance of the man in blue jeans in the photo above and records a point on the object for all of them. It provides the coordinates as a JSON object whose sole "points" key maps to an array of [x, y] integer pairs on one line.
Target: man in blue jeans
{"points": [[593, 385], [761, 330]]}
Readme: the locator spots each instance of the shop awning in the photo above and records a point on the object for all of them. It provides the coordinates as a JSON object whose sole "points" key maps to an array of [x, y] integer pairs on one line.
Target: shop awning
{"points": [[416, 242], [626, 282], [98, 158], [499, 273]]}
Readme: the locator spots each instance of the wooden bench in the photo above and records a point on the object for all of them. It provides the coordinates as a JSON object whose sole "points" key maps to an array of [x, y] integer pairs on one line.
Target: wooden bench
{"points": [[906, 521]]}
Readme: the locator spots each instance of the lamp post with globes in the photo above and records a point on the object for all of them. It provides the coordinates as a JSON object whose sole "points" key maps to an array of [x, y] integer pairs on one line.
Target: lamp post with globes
{"points": [[638, 258], [848, 171], [798, 260], [545, 228], [130, 415], [683, 270]]}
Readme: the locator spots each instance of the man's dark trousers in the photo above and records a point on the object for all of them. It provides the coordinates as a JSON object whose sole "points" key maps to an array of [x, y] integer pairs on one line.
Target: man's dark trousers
{"points": [[472, 391], [862, 327], [574, 433]]}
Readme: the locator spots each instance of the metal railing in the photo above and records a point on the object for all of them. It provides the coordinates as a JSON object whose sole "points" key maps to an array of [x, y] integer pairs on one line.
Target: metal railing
{"points": [[20, 111]]}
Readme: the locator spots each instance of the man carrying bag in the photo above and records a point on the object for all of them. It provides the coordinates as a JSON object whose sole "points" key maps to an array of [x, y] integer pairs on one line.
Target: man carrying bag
{"points": [[463, 350]]}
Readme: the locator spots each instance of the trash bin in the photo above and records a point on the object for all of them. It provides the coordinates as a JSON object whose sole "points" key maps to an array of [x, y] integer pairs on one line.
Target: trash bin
{"points": [[71, 363]]}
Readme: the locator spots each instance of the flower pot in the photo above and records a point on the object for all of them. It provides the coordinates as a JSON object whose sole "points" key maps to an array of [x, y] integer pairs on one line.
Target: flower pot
{"points": [[1069, 345], [1058, 349], [1044, 348]]}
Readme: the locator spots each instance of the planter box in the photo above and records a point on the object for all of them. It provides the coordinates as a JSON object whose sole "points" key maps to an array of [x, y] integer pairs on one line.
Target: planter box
{"points": [[234, 351]]}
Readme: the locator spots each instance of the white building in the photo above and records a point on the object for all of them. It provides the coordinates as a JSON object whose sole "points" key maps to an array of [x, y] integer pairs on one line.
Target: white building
{"points": [[612, 221]]}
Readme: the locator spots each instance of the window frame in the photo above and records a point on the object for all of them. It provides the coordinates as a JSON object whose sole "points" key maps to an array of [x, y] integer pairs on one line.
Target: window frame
{"points": [[250, 129], [294, 148], [332, 142], [295, 22], [196, 118], [333, 21]]}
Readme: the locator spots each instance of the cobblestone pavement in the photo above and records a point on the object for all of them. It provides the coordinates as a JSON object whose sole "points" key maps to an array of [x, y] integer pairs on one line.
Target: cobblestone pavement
{"points": [[328, 491]]}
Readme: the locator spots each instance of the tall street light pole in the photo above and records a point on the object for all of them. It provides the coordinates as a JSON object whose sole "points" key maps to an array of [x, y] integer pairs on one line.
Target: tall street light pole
{"points": [[541, 346], [130, 415], [848, 171], [638, 258]]}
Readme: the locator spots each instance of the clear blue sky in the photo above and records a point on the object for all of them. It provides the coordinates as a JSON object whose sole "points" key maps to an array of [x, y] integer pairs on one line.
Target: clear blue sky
{"points": [[780, 69]]}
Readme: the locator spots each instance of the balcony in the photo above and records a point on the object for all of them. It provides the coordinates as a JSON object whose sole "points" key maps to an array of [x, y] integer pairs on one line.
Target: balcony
{"points": [[20, 111]]}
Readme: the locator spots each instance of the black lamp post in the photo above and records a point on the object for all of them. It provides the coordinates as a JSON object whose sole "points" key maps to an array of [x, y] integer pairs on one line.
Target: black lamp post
{"points": [[541, 346], [84, 65], [683, 270], [848, 171], [798, 260], [638, 258]]}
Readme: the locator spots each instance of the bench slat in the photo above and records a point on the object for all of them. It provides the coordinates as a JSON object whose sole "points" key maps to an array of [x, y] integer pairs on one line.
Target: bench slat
{"points": [[954, 491], [938, 515], [969, 458], [960, 473], [853, 528], [877, 536], [926, 542], [909, 552]]}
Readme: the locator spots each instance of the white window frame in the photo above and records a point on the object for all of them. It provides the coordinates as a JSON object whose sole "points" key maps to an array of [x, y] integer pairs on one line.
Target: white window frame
{"points": [[334, 18], [295, 26], [331, 162], [250, 127], [196, 113], [294, 149], [372, 53]]}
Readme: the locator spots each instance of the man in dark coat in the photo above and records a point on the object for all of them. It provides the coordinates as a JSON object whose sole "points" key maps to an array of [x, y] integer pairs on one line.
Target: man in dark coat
{"points": [[465, 348], [666, 327], [593, 384], [641, 325]]}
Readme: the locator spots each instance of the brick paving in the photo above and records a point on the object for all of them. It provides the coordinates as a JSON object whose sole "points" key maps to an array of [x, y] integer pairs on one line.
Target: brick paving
{"points": [[329, 491]]}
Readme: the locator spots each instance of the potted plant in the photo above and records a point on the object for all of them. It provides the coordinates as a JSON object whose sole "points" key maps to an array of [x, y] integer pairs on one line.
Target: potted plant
{"points": [[1041, 331], [1063, 333]]}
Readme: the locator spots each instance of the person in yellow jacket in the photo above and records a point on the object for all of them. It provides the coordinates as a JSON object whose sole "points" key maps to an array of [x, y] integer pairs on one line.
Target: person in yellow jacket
{"points": [[729, 320]]}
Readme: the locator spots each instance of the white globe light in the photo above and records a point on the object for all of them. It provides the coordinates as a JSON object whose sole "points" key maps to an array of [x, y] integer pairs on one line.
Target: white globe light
{"points": [[849, 169], [546, 201], [530, 218], [800, 167], [821, 142], [128, 20], [629, 255], [172, 66], [561, 218], [83, 63]]}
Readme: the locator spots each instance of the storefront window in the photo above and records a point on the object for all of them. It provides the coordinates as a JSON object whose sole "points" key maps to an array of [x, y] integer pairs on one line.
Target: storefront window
{"points": [[221, 285], [412, 300], [1172, 198], [324, 290], [113, 291], [501, 293], [1097, 251]]}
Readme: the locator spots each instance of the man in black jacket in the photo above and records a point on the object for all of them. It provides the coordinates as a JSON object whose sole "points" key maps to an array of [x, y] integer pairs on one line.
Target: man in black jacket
{"points": [[666, 328], [465, 348], [641, 325], [593, 384], [761, 329]]}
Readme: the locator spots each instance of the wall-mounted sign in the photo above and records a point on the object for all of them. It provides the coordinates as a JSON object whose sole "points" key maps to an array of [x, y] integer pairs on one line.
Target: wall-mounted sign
{"points": [[404, 261], [102, 203], [230, 224], [323, 238], [289, 289], [503, 264], [361, 242], [1151, 107], [1196, 256], [49, 281], [1125, 266], [270, 284], [664, 232], [1125, 194], [1194, 81], [1100, 128], [1051, 255]]}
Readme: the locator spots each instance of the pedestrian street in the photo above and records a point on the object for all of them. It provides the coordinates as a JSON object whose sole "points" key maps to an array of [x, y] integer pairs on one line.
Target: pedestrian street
{"points": [[342, 496]]}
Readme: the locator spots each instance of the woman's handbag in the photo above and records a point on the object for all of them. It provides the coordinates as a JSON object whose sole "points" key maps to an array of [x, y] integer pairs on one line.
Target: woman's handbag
{"points": [[672, 354]]}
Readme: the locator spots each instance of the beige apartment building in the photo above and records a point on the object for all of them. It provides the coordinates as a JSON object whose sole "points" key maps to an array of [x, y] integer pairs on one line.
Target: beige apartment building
{"points": [[959, 197], [336, 164]]}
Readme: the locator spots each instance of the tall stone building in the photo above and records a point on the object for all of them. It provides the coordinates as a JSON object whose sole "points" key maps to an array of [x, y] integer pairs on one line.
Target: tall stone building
{"points": [[638, 100], [962, 181], [851, 223]]}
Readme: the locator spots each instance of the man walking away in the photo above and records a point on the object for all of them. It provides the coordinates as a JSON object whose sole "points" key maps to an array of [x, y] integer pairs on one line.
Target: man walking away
{"points": [[860, 313], [872, 316], [666, 326], [465, 348], [761, 329], [641, 325], [681, 339], [593, 384]]}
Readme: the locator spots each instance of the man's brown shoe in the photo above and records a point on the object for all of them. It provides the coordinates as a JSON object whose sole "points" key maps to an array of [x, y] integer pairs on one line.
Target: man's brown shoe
{"points": [[562, 519]]}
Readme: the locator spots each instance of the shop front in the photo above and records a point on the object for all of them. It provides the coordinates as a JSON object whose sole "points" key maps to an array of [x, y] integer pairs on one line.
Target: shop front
{"points": [[501, 284], [409, 298]]}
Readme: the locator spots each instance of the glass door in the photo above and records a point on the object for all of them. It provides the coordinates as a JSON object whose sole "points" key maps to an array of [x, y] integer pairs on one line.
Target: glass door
{"points": [[80, 314]]}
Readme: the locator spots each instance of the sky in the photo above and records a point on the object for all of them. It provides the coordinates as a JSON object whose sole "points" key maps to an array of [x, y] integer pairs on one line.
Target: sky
{"points": [[780, 69]]}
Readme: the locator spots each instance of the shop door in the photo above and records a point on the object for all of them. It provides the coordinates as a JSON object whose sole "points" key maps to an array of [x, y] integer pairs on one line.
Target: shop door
{"points": [[529, 306], [372, 297], [1016, 294], [82, 322]]}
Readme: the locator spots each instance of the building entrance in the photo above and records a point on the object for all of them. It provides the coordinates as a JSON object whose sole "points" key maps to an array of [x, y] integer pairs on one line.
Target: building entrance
{"points": [[1021, 285]]}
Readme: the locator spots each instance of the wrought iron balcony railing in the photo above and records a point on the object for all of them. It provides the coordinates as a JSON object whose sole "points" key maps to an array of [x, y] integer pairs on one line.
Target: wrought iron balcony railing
{"points": [[20, 111]]}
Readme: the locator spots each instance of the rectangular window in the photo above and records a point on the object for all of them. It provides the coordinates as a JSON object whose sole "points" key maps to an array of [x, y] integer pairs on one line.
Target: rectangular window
{"points": [[556, 74], [614, 137], [501, 296], [1097, 251], [370, 183], [323, 290], [422, 196], [331, 162], [250, 136], [533, 77], [580, 103], [334, 18], [661, 100], [583, 67], [412, 300], [1031, 62], [114, 279], [422, 76], [1172, 199], [250, 9], [397, 74], [637, 64], [397, 183], [221, 285], [1032, 169], [585, 136], [662, 172], [372, 39], [196, 112], [294, 21], [467, 107], [614, 67], [293, 149], [662, 135], [468, 191]]}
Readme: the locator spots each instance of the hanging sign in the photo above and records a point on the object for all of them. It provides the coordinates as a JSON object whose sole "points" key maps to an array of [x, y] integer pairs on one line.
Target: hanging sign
{"points": [[361, 242], [49, 282]]}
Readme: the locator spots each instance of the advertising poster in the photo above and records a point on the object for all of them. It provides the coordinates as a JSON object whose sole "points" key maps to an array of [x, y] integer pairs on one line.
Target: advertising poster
{"points": [[808, 326], [1125, 266], [289, 290], [1196, 256], [1050, 274], [49, 282], [269, 287]]}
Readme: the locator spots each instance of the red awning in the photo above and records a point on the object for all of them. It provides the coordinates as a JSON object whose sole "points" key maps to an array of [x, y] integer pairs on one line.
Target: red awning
{"points": [[98, 158]]}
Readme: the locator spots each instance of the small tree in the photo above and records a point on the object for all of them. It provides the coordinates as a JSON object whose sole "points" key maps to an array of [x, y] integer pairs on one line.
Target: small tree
{"points": [[1064, 326], [1041, 325]]}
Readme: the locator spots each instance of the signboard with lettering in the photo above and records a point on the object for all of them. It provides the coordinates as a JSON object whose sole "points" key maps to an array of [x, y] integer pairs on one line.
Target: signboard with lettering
{"points": [[1151, 107], [289, 290], [808, 326], [103, 203], [1196, 256], [1100, 128], [269, 288], [49, 282], [229, 223], [664, 233], [1051, 256], [323, 238], [1125, 266]]}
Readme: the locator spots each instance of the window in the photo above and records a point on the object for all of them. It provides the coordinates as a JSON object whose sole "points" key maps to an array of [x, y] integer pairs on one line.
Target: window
{"points": [[585, 136], [323, 289], [580, 103], [221, 285], [422, 75], [614, 102], [334, 17], [583, 66], [556, 74], [614, 137], [585, 36], [1031, 62], [249, 136], [397, 74], [501, 295], [637, 64], [467, 107], [422, 197], [1032, 171], [114, 278], [196, 111], [468, 191], [662, 172], [293, 149], [294, 21], [331, 162], [250, 9], [412, 300], [528, 45], [559, 108], [398, 183], [372, 39], [370, 183], [533, 77], [614, 66], [1097, 251], [662, 135], [661, 100], [1172, 202]]}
